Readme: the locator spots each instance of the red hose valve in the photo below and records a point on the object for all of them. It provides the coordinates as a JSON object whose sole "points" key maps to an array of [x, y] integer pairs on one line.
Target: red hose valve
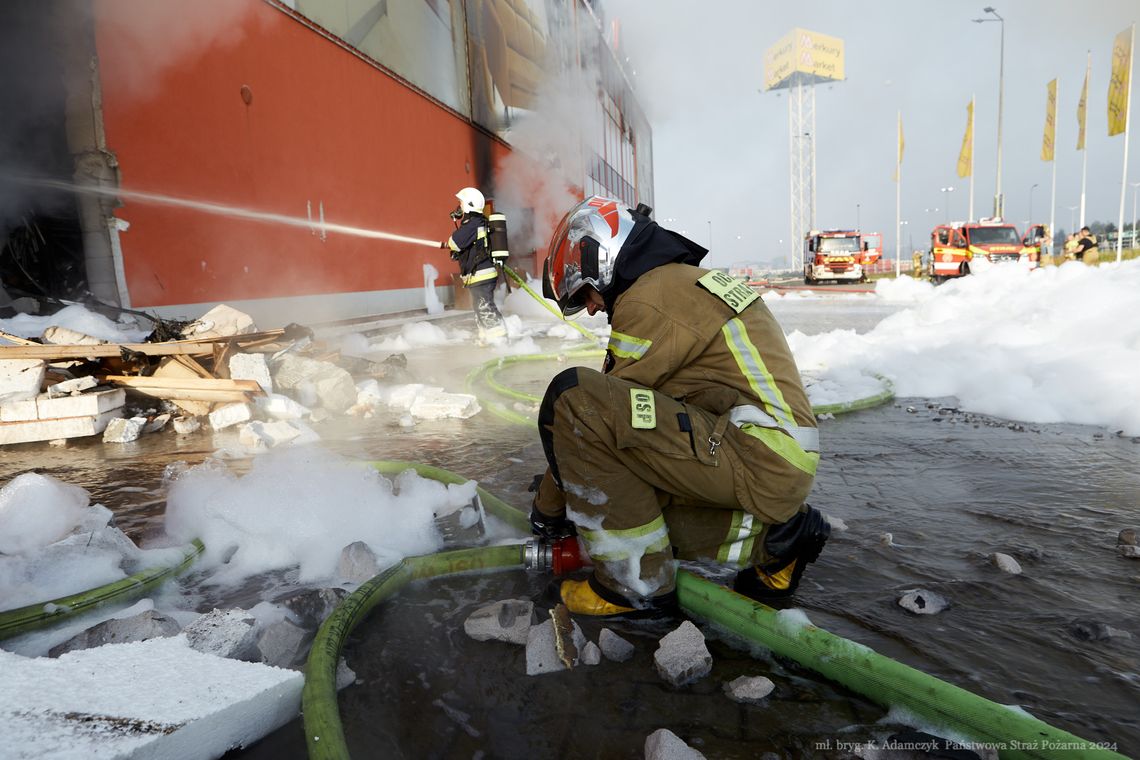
{"points": [[560, 556]]}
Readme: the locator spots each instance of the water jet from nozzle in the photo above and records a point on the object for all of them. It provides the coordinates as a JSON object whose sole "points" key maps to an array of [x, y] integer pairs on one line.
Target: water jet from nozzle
{"points": [[220, 209]]}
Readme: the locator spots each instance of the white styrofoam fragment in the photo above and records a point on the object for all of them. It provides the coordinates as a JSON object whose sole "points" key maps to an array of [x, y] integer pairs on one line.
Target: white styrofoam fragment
{"points": [[230, 414]]}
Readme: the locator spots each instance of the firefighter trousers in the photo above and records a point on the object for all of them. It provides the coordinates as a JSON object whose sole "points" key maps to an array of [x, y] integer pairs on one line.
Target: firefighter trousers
{"points": [[643, 490]]}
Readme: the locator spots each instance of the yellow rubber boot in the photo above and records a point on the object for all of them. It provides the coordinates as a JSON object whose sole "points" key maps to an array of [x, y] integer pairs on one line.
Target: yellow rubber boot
{"points": [[581, 599], [781, 580]]}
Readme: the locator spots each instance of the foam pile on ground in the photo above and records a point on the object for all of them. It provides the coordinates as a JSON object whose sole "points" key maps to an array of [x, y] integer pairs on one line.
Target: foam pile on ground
{"points": [[157, 698], [426, 402], [75, 318], [1008, 342], [53, 542], [302, 506]]}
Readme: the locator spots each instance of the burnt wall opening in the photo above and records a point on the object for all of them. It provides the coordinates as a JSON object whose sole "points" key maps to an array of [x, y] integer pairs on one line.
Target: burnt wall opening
{"points": [[41, 244]]}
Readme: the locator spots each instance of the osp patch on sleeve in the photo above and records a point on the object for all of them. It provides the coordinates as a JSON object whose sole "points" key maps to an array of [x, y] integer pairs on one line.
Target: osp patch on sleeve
{"points": [[642, 409], [728, 289]]}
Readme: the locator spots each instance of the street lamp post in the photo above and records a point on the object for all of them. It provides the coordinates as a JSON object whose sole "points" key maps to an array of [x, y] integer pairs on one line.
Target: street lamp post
{"points": [[1135, 239], [710, 234], [1072, 218], [998, 200], [1031, 202], [946, 202]]}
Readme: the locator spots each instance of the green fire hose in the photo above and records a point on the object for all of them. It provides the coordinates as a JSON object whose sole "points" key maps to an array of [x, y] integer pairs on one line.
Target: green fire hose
{"points": [[523, 284], [884, 681], [43, 614]]}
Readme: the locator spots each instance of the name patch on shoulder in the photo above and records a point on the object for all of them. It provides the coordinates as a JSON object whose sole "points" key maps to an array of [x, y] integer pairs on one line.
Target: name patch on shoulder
{"points": [[642, 409], [732, 291]]}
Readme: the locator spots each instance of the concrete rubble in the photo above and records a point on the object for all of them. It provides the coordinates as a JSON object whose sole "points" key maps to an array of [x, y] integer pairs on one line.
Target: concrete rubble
{"points": [[749, 689], [357, 563], [542, 652], [663, 744], [142, 627], [682, 656], [1005, 563], [923, 602], [614, 647], [225, 633], [508, 620], [218, 370]]}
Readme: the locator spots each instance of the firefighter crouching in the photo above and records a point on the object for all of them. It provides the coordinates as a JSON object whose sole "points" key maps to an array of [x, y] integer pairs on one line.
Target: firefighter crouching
{"points": [[479, 244], [695, 442]]}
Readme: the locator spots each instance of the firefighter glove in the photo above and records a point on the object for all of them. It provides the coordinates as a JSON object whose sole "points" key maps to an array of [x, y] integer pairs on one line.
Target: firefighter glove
{"points": [[550, 528]]}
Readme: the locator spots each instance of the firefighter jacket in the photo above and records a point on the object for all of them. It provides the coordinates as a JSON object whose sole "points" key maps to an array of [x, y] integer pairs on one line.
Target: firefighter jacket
{"points": [[469, 246], [706, 339]]}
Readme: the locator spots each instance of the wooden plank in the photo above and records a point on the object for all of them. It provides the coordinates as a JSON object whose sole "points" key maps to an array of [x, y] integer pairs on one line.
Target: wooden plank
{"points": [[187, 398], [17, 339], [199, 347], [186, 383]]}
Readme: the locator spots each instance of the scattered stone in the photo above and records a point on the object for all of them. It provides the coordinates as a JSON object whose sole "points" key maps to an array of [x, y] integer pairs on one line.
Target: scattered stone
{"points": [[541, 653], [911, 410], [345, 676], [1126, 537], [358, 564], [251, 367], [73, 386], [749, 689], [1006, 563], [590, 654], [614, 647], [141, 627], [312, 606], [663, 744], [123, 429], [283, 644], [325, 382], [156, 424], [837, 524], [58, 442], [1094, 630], [922, 602], [186, 425], [682, 656], [230, 414], [1130, 552], [225, 633], [257, 434], [508, 620], [886, 539], [436, 403], [281, 407]]}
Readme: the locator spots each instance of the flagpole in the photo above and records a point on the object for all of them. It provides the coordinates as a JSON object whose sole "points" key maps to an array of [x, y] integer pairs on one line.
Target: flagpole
{"points": [[898, 206], [1085, 149], [1053, 195], [973, 106], [1127, 129]]}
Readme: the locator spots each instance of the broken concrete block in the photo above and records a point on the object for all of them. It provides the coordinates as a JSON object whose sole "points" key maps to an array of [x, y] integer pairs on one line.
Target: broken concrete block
{"points": [[47, 430], [81, 405], [507, 620], [590, 654], [435, 403], [186, 425], [541, 649], [345, 676], [283, 644], [21, 378], [278, 432], [251, 367], [65, 336], [311, 606], [614, 647], [124, 430], [248, 437], [357, 563], [225, 633], [19, 410], [749, 689], [230, 414], [74, 385], [331, 386], [1126, 537], [1128, 551], [281, 407], [682, 656], [141, 627], [922, 602], [663, 744], [219, 322], [156, 424]]}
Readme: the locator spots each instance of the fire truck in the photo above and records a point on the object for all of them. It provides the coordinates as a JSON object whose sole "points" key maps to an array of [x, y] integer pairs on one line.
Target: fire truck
{"points": [[837, 256], [953, 246]]}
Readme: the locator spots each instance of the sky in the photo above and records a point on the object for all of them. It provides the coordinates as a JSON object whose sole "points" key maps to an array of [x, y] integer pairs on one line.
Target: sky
{"points": [[720, 146]]}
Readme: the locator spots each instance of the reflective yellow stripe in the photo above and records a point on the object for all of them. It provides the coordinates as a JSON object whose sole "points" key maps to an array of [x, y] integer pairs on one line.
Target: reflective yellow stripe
{"points": [[611, 545], [451, 244], [481, 275], [756, 372], [737, 546], [627, 346], [784, 445]]}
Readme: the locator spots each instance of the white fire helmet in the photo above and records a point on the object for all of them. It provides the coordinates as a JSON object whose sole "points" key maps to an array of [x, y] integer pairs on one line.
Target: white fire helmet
{"points": [[471, 201], [584, 250]]}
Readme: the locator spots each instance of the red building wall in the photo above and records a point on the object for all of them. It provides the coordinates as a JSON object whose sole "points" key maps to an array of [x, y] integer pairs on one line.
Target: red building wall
{"points": [[323, 125]]}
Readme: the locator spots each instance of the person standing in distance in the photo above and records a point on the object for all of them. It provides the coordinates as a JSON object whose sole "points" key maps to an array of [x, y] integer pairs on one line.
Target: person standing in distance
{"points": [[478, 267]]}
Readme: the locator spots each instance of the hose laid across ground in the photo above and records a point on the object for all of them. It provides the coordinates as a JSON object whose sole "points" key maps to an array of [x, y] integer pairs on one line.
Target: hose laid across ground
{"points": [[884, 681], [43, 614]]}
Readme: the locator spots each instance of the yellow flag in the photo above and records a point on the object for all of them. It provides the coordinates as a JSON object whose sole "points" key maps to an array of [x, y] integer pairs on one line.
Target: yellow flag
{"points": [[1081, 109], [1118, 83], [966, 155], [1047, 141]]}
